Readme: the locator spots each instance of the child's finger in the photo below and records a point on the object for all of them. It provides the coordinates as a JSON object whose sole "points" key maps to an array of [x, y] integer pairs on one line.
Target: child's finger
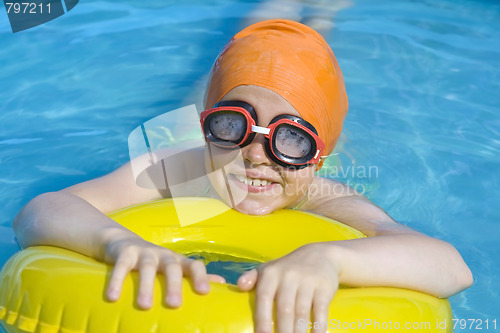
{"points": [[216, 278], [198, 273], [264, 302], [303, 304], [121, 268], [148, 268], [248, 280], [173, 277], [321, 303], [285, 305]]}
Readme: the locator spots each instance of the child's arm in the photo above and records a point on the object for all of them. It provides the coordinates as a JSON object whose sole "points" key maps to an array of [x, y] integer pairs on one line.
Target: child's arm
{"points": [[74, 219], [393, 255], [397, 255]]}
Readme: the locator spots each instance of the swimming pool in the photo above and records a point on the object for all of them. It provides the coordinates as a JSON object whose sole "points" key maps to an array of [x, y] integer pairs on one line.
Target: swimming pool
{"points": [[422, 79]]}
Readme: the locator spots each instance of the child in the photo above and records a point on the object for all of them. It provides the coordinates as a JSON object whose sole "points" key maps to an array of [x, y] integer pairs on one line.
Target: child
{"points": [[277, 93]]}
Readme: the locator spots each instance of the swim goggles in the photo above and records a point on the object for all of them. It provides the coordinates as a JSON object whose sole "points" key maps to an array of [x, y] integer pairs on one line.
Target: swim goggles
{"points": [[290, 141]]}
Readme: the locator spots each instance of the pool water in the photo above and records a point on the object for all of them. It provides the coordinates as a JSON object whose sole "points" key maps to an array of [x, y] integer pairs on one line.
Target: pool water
{"points": [[422, 137]]}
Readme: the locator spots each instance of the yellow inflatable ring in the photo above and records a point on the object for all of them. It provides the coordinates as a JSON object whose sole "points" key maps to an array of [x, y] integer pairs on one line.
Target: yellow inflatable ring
{"points": [[48, 290]]}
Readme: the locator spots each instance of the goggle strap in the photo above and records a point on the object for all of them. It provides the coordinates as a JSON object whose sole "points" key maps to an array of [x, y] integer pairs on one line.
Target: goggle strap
{"points": [[261, 130], [316, 155]]}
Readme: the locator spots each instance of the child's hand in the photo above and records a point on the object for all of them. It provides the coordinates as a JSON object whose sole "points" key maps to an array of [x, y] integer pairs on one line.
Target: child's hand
{"points": [[304, 280], [149, 259]]}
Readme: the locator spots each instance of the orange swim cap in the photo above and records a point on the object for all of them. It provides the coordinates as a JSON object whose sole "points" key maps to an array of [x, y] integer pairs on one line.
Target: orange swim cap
{"points": [[294, 61]]}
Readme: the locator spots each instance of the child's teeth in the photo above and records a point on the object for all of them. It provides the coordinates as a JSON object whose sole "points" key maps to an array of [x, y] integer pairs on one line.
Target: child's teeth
{"points": [[252, 181]]}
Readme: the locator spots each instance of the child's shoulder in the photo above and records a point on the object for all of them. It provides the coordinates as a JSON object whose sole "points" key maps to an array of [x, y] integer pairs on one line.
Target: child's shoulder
{"points": [[330, 188]]}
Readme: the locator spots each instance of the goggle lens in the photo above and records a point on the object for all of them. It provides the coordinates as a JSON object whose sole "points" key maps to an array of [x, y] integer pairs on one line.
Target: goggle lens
{"points": [[292, 141], [228, 126]]}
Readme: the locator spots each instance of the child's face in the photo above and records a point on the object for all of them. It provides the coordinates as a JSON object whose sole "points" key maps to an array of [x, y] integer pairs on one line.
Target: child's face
{"points": [[285, 187]]}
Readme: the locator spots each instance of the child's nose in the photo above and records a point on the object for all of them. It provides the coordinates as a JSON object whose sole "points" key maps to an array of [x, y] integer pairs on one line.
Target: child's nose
{"points": [[255, 152]]}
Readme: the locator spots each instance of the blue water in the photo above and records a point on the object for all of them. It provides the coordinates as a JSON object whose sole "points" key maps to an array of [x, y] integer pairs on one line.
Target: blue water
{"points": [[423, 79]]}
